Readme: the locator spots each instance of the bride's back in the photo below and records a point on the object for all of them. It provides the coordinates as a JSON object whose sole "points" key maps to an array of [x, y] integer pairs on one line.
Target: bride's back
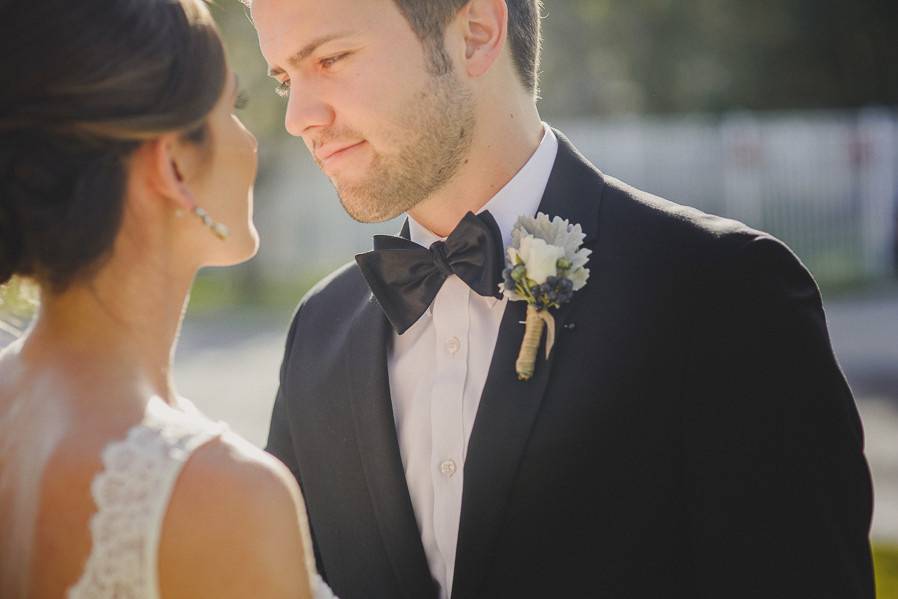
{"points": [[117, 117], [148, 498], [31, 432], [47, 462]]}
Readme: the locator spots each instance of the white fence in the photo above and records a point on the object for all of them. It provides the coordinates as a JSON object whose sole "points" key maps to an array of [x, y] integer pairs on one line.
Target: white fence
{"points": [[826, 183]]}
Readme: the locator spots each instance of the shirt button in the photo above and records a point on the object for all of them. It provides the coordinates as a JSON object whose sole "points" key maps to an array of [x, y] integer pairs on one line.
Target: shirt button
{"points": [[453, 345], [447, 468]]}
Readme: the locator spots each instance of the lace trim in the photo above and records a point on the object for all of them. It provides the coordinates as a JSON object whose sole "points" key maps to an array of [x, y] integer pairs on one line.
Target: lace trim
{"points": [[132, 493]]}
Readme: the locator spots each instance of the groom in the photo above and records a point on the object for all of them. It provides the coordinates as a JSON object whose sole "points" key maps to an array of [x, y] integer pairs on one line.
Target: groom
{"points": [[689, 436]]}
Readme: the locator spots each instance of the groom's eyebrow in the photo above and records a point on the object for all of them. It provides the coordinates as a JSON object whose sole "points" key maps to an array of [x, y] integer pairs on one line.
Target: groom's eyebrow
{"points": [[307, 51]]}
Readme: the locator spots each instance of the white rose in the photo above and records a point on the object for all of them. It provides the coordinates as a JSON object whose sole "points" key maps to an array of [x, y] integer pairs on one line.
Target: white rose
{"points": [[540, 258]]}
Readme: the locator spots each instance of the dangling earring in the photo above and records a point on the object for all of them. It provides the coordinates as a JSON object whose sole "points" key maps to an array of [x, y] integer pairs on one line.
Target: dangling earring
{"points": [[218, 229]]}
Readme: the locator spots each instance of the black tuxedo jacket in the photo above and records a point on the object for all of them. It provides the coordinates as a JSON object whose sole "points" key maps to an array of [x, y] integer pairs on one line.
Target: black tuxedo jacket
{"points": [[691, 435]]}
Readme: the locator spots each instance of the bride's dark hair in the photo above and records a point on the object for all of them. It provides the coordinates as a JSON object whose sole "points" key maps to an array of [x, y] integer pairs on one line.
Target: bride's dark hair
{"points": [[84, 83]]}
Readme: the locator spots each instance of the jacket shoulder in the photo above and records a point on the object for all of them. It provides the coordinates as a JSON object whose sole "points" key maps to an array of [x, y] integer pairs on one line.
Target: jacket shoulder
{"points": [[347, 280], [328, 307], [689, 240], [343, 287], [649, 218], [634, 222], [641, 223]]}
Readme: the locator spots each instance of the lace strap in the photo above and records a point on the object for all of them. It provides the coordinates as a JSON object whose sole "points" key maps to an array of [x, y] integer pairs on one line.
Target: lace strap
{"points": [[178, 454], [132, 495]]}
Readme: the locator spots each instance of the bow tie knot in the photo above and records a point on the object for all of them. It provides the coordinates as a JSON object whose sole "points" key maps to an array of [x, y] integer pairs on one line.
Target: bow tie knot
{"points": [[406, 277], [441, 258]]}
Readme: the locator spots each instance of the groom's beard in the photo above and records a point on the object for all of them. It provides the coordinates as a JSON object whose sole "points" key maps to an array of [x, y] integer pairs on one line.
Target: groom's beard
{"points": [[433, 134]]}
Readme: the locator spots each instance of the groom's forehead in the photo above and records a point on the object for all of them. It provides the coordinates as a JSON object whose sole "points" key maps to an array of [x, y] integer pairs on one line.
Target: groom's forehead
{"points": [[290, 25], [311, 15]]}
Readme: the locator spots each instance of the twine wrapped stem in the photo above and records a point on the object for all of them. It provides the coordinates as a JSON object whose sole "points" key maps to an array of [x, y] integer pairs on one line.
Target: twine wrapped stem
{"points": [[536, 321]]}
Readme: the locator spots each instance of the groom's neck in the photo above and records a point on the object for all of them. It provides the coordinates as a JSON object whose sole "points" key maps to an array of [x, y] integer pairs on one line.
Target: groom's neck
{"points": [[506, 136]]}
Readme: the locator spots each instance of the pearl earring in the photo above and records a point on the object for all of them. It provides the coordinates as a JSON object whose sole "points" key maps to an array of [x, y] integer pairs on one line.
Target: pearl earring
{"points": [[218, 229]]}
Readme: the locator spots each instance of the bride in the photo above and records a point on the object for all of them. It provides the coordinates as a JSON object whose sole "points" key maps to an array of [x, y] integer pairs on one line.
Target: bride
{"points": [[123, 171]]}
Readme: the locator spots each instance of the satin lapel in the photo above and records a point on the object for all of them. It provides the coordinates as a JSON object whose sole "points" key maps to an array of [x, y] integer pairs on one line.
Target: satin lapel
{"points": [[379, 452], [508, 407]]}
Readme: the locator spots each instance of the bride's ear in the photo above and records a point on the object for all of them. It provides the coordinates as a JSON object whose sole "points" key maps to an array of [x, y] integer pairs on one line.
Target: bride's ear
{"points": [[170, 164]]}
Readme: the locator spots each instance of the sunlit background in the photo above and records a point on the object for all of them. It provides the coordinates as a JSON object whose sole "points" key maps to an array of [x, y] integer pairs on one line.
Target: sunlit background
{"points": [[779, 113]]}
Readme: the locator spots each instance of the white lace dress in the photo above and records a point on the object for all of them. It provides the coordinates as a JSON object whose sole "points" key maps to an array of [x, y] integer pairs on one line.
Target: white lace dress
{"points": [[132, 494]]}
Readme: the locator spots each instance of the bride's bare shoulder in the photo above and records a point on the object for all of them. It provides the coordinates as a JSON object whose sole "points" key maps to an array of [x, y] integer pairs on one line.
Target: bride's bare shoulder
{"points": [[233, 527]]}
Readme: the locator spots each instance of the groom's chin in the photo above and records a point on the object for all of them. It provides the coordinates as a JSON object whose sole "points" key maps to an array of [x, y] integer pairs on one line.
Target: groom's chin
{"points": [[365, 209]]}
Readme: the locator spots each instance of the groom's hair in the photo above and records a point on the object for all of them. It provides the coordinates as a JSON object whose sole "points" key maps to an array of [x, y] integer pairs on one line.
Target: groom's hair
{"points": [[429, 18]]}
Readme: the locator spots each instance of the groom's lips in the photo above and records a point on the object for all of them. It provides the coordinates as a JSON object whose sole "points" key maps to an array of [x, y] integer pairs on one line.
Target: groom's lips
{"points": [[328, 154]]}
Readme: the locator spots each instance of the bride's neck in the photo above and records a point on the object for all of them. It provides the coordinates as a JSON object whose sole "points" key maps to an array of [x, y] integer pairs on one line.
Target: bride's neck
{"points": [[118, 330]]}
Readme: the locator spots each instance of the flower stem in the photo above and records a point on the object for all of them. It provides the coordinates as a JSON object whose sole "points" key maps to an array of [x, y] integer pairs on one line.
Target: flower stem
{"points": [[533, 332]]}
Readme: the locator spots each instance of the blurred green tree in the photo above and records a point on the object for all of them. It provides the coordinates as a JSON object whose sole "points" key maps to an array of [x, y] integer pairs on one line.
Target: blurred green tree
{"points": [[659, 56], [605, 57]]}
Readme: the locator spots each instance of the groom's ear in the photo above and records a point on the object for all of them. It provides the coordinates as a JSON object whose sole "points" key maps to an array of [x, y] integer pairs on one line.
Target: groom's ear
{"points": [[484, 25]]}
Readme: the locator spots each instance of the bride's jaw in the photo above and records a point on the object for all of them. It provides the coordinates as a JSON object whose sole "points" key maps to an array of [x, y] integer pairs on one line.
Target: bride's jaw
{"points": [[223, 187], [118, 324]]}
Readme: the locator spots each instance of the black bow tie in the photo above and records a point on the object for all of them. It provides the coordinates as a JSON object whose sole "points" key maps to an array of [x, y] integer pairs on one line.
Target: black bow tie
{"points": [[405, 277]]}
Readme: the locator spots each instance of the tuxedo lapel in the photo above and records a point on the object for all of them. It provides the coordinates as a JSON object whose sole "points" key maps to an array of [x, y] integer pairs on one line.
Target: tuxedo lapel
{"points": [[508, 407], [379, 451]]}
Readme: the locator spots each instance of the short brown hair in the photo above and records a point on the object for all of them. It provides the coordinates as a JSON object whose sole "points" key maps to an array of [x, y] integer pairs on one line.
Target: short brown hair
{"points": [[429, 18]]}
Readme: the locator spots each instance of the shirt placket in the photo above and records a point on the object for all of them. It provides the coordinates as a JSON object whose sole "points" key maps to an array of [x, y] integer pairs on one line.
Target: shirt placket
{"points": [[451, 324]]}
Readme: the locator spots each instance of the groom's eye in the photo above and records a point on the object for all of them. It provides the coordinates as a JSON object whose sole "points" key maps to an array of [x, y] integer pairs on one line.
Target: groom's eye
{"points": [[330, 61]]}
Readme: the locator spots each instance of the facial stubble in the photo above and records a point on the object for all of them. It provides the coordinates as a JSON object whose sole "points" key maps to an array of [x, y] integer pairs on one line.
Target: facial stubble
{"points": [[433, 137]]}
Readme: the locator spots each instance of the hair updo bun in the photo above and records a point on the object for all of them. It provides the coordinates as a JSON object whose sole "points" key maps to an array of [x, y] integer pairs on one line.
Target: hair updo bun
{"points": [[84, 84]]}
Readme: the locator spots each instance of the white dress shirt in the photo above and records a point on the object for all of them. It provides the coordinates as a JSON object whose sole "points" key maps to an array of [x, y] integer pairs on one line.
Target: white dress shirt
{"points": [[437, 371]]}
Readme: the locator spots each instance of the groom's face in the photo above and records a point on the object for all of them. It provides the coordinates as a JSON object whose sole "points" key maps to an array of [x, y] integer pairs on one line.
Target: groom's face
{"points": [[363, 95]]}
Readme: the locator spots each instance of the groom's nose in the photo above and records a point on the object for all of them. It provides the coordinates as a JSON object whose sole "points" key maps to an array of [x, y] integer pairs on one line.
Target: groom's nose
{"points": [[305, 111]]}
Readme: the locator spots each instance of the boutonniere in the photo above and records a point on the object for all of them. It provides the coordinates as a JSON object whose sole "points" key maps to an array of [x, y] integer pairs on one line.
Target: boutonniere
{"points": [[544, 267]]}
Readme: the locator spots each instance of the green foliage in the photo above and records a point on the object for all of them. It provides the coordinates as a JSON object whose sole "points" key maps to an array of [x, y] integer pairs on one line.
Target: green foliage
{"points": [[885, 562], [18, 301], [227, 291], [661, 56]]}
